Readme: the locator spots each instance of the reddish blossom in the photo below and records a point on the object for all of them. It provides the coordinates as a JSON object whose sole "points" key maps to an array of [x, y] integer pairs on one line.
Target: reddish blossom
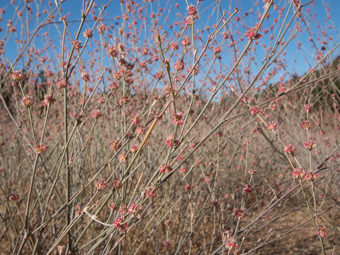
{"points": [[165, 169], [231, 244], [101, 184], [140, 130], [186, 41], [247, 188], [118, 75], [252, 171], [85, 76], [159, 75], [101, 28], [136, 119], [171, 141], [18, 76], [174, 46], [290, 149], [115, 145], [239, 212], [135, 209], [13, 197], [134, 148], [96, 114], [255, 110], [182, 170], [78, 211], [217, 50], [322, 231], [144, 50], [179, 65], [77, 45], [122, 157], [88, 33], [271, 125], [40, 148], [177, 118], [310, 175], [307, 108], [27, 101], [252, 34], [225, 35], [305, 124], [49, 99], [150, 192], [61, 84], [117, 183], [112, 51], [298, 173], [120, 224], [189, 21], [112, 206], [187, 186], [192, 11], [310, 145], [101, 100]]}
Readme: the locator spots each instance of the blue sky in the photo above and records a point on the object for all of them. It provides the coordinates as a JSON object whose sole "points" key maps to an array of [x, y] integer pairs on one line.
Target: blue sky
{"points": [[297, 61]]}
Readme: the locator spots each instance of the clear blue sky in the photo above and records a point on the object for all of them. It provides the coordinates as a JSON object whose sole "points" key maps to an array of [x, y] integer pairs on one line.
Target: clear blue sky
{"points": [[327, 19]]}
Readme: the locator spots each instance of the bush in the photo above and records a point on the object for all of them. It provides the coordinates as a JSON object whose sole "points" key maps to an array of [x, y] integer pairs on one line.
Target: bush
{"points": [[164, 130]]}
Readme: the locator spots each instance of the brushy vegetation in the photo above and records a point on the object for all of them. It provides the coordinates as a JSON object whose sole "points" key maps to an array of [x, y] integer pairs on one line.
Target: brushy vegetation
{"points": [[152, 134]]}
